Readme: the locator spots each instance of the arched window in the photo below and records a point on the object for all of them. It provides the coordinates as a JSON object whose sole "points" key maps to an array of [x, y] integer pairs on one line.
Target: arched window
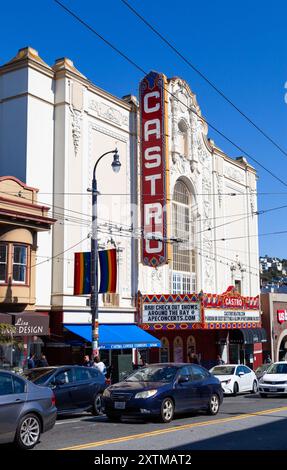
{"points": [[184, 269], [164, 350], [177, 349], [190, 346]]}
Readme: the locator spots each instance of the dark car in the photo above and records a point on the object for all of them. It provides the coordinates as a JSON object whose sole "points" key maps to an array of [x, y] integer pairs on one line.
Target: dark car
{"points": [[160, 390], [76, 388], [26, 410]]}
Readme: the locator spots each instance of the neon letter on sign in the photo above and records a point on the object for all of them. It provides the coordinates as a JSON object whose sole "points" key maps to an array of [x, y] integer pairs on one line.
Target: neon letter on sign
{"points": [[153, 169]]}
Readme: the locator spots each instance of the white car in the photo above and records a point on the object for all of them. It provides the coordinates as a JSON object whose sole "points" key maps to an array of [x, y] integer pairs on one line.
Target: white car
{"points": [[274, 381], [235, 378]]}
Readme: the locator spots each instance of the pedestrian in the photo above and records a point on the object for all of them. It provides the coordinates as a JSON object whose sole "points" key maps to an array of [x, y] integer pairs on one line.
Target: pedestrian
{"points": [[87, 362], [42, 362], [219, 360], [268, 359], [100, 365], [31, 361]]}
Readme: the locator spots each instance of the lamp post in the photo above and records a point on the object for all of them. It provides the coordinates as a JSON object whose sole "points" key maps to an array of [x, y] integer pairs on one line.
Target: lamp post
{"points": [[116, 165]]}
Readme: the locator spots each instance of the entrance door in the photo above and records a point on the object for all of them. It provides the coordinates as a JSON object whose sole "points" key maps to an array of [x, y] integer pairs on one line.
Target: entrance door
{"points": [[234, 353]]}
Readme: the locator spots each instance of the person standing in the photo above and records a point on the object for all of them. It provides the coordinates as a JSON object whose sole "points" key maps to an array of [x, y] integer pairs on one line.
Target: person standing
{"points": [[31, 361], [100, 365], [87, 362], [42, 362], [219, 360]]}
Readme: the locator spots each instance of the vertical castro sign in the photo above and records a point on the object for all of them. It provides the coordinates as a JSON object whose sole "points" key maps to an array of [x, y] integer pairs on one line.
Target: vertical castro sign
{"points": [[154, 161]]}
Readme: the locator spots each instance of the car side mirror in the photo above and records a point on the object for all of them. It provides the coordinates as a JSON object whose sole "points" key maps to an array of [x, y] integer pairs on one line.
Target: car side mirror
{"points": [[183, 379], [59, 382], [241, 374]]}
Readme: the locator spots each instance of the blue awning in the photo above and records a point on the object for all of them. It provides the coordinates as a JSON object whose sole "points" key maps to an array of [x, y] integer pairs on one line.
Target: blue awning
{"points": [[116, 336]]}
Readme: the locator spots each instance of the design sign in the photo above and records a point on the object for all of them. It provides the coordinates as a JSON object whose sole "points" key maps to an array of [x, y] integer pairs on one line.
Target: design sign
{"points": [[154, 151]]}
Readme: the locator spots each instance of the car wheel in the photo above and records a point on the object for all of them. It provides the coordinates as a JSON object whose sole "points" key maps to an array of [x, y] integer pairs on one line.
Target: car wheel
{"points": [[98, 405], [263, 395], [213, 405], [167, 410], [255, 387], [114, 417], [235, 389], [28, 432]]}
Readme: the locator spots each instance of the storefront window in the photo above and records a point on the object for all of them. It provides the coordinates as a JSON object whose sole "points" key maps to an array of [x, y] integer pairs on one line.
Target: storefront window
{"points": [[178, 349], [190, 346], [164, 351], [3, 262], [19, 263]]}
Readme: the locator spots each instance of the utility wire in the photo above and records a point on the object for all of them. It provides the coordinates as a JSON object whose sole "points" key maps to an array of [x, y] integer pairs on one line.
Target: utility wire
{"points": [[204, 77], [138, 67]]}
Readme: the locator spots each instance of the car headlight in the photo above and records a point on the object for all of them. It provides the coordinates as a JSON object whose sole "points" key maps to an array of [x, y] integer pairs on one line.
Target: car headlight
{"points": [[147, 394], [107, 393], [261, 381]]}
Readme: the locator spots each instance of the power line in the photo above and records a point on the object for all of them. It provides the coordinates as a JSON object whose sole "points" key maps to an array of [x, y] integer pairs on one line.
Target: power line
{"points": [[132, 62], [207, 80]]}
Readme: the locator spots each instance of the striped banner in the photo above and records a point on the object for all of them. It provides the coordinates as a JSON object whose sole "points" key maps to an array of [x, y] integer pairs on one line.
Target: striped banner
{"points": [[82, 273], [108, 264]]}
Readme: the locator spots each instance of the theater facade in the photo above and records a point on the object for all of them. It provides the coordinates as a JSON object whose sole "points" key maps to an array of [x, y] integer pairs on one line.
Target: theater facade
{"points": [[198, 259]]}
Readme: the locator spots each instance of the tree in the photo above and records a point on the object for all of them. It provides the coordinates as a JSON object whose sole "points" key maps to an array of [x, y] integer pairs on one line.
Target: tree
{"points": [[7, 333]]}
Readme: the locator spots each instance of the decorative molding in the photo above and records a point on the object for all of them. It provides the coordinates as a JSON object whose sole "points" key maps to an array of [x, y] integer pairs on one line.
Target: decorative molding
{"points": [[108, 132], [77, 117], [234, 174], [252, 193], [219, 179], [108, 113]]}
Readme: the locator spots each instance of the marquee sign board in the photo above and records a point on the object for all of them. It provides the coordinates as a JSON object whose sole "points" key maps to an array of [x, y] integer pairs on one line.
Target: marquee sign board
{"points": [[243, 316], [154, 162], [171, 312]]}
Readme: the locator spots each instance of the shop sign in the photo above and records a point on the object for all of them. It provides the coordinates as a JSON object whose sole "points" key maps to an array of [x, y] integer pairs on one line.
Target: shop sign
{"points": [[30, 325], [154, 152], [282, 316], [212, 315], [163, 312]]}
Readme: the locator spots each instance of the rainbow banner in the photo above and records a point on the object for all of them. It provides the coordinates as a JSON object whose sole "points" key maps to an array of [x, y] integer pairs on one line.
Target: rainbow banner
{"points": [[82, 273], [108, 264]]}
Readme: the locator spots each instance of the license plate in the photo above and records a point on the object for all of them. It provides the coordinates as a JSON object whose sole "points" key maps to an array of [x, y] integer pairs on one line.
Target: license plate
{"points": [[119, 405]]}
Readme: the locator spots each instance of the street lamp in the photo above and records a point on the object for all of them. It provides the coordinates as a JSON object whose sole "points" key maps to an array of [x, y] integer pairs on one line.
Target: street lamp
{"points": [[116, 165]]}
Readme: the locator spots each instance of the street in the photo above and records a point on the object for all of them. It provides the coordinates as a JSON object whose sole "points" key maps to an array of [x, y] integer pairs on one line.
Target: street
{"points": [[244, 422]]}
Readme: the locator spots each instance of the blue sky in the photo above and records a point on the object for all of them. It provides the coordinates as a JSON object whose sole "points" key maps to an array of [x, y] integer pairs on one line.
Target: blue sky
{"points": [[240, 46]]}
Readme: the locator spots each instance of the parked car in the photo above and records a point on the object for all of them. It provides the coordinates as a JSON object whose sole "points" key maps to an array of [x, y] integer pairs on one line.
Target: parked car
{"points": [[76, 388], [26, 410], [274, 381], [261, 370], [160, 390], [235, 378]]}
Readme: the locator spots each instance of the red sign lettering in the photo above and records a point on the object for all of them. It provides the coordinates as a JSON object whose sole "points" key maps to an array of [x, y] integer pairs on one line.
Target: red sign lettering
{"points": [[153, 169]]}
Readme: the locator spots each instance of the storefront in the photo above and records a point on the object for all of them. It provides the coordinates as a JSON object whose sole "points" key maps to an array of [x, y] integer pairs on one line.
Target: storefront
{"points": [[119, 344], [206, 325], [30, 331], [274, 319]]}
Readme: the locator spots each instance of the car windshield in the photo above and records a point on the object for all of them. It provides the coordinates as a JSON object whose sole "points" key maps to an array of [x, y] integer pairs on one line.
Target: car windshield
{"points": [[39, 376], [277, 369], [154, 374], [223, 370]]}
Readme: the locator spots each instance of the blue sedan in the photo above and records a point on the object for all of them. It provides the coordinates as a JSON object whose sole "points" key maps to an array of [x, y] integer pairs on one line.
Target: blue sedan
{"points": [[160, 390]]}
